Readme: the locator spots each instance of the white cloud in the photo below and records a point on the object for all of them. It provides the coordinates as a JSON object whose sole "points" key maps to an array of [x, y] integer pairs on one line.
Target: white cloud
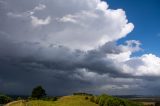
{"points": [[93, 28], [40, 22], [78, 24], [29, 13], [39, 7], [133, 45], [121, 57], [146, 65], [127, 50], [86, 75], [102, 6], [68, 18]]}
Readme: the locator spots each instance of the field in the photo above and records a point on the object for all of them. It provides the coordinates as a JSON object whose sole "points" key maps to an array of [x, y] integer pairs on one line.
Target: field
{"points": [[64, 101], [147, 101]]}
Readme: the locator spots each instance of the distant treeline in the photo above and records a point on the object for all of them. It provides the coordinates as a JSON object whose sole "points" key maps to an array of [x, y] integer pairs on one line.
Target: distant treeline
{"points": [[82, 93], [5, 99]]}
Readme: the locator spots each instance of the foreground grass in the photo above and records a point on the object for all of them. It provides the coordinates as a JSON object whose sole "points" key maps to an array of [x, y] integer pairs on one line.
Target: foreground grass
{"points": [[40, 103], [64, 101], [74, 101], [16, 103]]}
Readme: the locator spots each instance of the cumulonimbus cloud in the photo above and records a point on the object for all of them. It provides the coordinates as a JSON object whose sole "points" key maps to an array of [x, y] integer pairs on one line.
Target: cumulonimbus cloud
{"points": [[71, 41], [81, 24]]}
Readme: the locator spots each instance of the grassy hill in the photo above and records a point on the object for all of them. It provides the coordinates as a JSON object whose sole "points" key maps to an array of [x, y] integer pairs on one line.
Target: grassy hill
{"points": [[78, 100], [64, 101]]}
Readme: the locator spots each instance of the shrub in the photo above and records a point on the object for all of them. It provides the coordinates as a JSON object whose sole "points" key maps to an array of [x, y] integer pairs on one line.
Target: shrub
{"points": [[86, 98], [114, 102], [5, 99], [54, 98], [97, 99], [157, 104], [92, 99], [105, 100], [19, 98], [102, 99], [82, 94], [50, 98]]}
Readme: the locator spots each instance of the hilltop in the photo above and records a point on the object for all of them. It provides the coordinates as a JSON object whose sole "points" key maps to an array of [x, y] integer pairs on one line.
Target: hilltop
{"points": [[63, 101], [78, 100]]}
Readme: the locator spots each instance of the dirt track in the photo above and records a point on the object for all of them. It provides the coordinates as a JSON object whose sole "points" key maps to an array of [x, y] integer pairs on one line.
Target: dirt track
{"points": [[13, 102]]}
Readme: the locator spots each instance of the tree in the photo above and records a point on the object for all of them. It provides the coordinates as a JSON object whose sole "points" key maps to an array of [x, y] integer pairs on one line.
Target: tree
{"points": [[38, 92], [5, 99]]}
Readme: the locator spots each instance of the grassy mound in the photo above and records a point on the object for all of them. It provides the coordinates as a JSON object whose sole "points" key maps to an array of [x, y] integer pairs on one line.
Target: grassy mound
{"points": [[64, 101], [79, 100]]}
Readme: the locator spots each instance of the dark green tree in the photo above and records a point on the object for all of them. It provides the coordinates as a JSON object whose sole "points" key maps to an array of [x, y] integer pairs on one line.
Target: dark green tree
{"points": [[38, 92], [5, 99]]}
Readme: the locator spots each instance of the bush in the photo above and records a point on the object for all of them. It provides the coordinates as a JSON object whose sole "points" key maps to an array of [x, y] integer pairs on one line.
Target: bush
{"points": [[131, 103], [102, 99], [50, 98], [82, 94], [105, 100], [92, 99], [114, 102], [86, 98], [97, 99], [5, 99], [19, 98], [54, 98], [157, 104]]}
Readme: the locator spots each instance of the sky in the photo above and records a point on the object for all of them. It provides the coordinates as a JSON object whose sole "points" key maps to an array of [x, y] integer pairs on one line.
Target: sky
{"points": [[88, 46], [145, 15]]}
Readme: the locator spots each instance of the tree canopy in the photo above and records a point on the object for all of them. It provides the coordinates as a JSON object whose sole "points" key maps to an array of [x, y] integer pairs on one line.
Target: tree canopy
{"points": [[38, 92], [4, 99]]}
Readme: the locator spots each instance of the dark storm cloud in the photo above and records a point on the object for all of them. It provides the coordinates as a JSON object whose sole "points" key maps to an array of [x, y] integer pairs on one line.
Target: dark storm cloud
{"points": [[55, 67]]}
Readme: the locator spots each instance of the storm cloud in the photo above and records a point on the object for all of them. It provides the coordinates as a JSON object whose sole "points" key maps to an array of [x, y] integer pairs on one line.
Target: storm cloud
{"points": [[71, 46]]}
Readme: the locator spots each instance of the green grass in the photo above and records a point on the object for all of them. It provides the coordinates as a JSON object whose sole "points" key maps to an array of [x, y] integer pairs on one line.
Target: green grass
{"points": [[16, 103], [64, 101], [40, 103]]}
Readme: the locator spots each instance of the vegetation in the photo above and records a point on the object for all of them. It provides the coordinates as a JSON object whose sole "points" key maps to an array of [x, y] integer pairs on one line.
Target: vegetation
{"points": [[157, 104], [38, 92], [86, 98], [5, 99], [105, 100], [93, 99], [64, 101], [39, 98], [79, 100], [82, 94]]}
